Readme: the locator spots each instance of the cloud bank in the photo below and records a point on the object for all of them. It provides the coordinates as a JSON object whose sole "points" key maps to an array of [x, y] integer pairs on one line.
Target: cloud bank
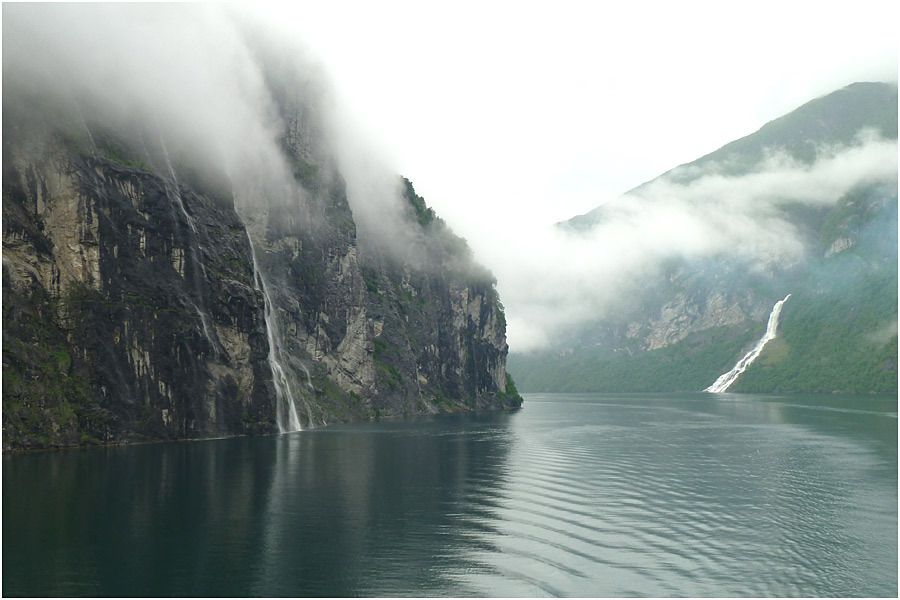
{"points": [[205, 85], [200, 79], [552, 279]]}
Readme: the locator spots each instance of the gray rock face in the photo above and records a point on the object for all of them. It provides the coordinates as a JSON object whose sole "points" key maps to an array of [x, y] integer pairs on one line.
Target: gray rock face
{"points": [[132, 309], [158, 323], [839, 245], [681, 317]]}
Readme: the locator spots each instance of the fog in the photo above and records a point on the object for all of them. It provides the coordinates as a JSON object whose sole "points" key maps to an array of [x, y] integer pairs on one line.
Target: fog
{"points": [[181, 72], [590, 275], [200, 83], [500, 155]]}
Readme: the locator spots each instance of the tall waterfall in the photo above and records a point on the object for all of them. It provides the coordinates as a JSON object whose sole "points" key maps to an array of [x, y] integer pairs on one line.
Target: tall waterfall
{"points": [[175, 192], [204, 321], [726, 380], [285, 407]]}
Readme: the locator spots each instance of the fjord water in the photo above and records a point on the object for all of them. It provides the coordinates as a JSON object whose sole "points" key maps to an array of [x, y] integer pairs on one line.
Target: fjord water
{"points": [[582, 495]]}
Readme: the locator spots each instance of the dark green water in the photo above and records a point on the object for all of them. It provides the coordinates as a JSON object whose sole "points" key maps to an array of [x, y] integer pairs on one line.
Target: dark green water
{"points": [[584, 495]]}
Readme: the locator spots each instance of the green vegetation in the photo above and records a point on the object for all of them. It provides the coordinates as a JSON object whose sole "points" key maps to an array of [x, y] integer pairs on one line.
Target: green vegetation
{"points": [[511, 390], [389, 374], [47, 399], [838, 331], [381, 347], [840, 338], [689, 365], [830, 342], [131, 163], [385, 352], [305, 172], [445, 250], [511, 396], [114, 150], [424, 215], [370, 276], [342, 406]]}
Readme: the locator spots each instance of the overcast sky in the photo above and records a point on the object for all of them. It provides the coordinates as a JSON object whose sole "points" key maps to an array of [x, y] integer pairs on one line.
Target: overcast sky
{"points": [[520, 114], [547, 108], [507, 116]]}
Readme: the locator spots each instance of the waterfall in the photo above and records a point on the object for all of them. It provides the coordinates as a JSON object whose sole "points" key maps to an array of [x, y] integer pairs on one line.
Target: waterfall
{"points": [[726, 380], [206, 329], [173, 192], [172, 189], [284, 397]]}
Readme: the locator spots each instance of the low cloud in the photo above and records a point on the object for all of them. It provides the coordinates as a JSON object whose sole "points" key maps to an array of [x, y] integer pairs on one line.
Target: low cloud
{"points": [[201, 79], [182, 73], [205, 85], [884, 334], [553, 279]]}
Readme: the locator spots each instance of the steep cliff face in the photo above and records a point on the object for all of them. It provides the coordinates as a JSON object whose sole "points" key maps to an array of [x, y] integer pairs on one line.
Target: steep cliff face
{"points": [[125, 315], [145, 300], [438, 326]]}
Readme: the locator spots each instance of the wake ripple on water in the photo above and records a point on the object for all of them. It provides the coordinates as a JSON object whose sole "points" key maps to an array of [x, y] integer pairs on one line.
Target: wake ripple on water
{"points": [[594, 510], [574, 496]]}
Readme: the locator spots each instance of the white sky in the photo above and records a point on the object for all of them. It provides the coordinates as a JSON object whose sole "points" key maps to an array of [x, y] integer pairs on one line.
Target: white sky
{"points": [[540, 110], [507, 116], [510, 116]]}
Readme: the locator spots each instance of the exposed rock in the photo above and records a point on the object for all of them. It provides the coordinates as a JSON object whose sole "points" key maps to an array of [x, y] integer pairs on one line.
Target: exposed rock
{"points": [[838, 246], [681, 317], [133, 310]]}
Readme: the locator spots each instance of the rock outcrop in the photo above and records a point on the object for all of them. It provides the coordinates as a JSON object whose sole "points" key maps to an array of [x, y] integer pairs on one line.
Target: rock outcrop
{"points": [[135, 296]]}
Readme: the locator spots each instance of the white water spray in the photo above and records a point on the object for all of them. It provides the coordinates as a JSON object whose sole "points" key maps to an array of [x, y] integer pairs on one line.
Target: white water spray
{"points": [[308, 379], [284, 397], [172, 189], [726, 380], [204, 318], [173, 192]]}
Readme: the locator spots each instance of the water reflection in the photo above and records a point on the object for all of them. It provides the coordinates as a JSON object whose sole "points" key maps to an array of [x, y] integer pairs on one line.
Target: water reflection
{"points": [[330, 512], [575, 495]]}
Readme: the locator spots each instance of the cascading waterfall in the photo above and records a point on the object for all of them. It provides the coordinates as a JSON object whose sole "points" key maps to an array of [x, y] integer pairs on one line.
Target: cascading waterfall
{"points": [[284, 397], [175, 192], [726, 380], [309, 384], [206, 329]]}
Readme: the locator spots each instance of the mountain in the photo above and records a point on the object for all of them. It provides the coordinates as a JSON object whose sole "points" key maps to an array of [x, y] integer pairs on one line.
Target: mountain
{"points": [[149, 296], [698, 316]]}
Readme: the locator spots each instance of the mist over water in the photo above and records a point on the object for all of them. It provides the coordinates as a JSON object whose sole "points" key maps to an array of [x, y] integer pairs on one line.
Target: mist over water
{"points": [[576, 495]]}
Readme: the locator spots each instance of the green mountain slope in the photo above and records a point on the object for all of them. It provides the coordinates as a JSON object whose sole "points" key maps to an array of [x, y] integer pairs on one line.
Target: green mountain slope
{"points": [[834, 119], [838, 331]]}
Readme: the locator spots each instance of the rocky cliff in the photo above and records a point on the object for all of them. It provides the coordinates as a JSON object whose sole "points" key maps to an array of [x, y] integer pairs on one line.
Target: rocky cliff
{"points": [[144, 298]]}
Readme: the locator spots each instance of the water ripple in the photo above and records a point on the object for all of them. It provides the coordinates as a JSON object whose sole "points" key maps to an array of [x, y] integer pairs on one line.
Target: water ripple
{"points": [[573, 496], [694, 512]]}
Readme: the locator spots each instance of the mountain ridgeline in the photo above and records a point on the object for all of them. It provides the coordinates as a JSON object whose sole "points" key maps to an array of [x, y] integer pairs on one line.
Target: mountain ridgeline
{"points": [[145, 297], [838, 331]]}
